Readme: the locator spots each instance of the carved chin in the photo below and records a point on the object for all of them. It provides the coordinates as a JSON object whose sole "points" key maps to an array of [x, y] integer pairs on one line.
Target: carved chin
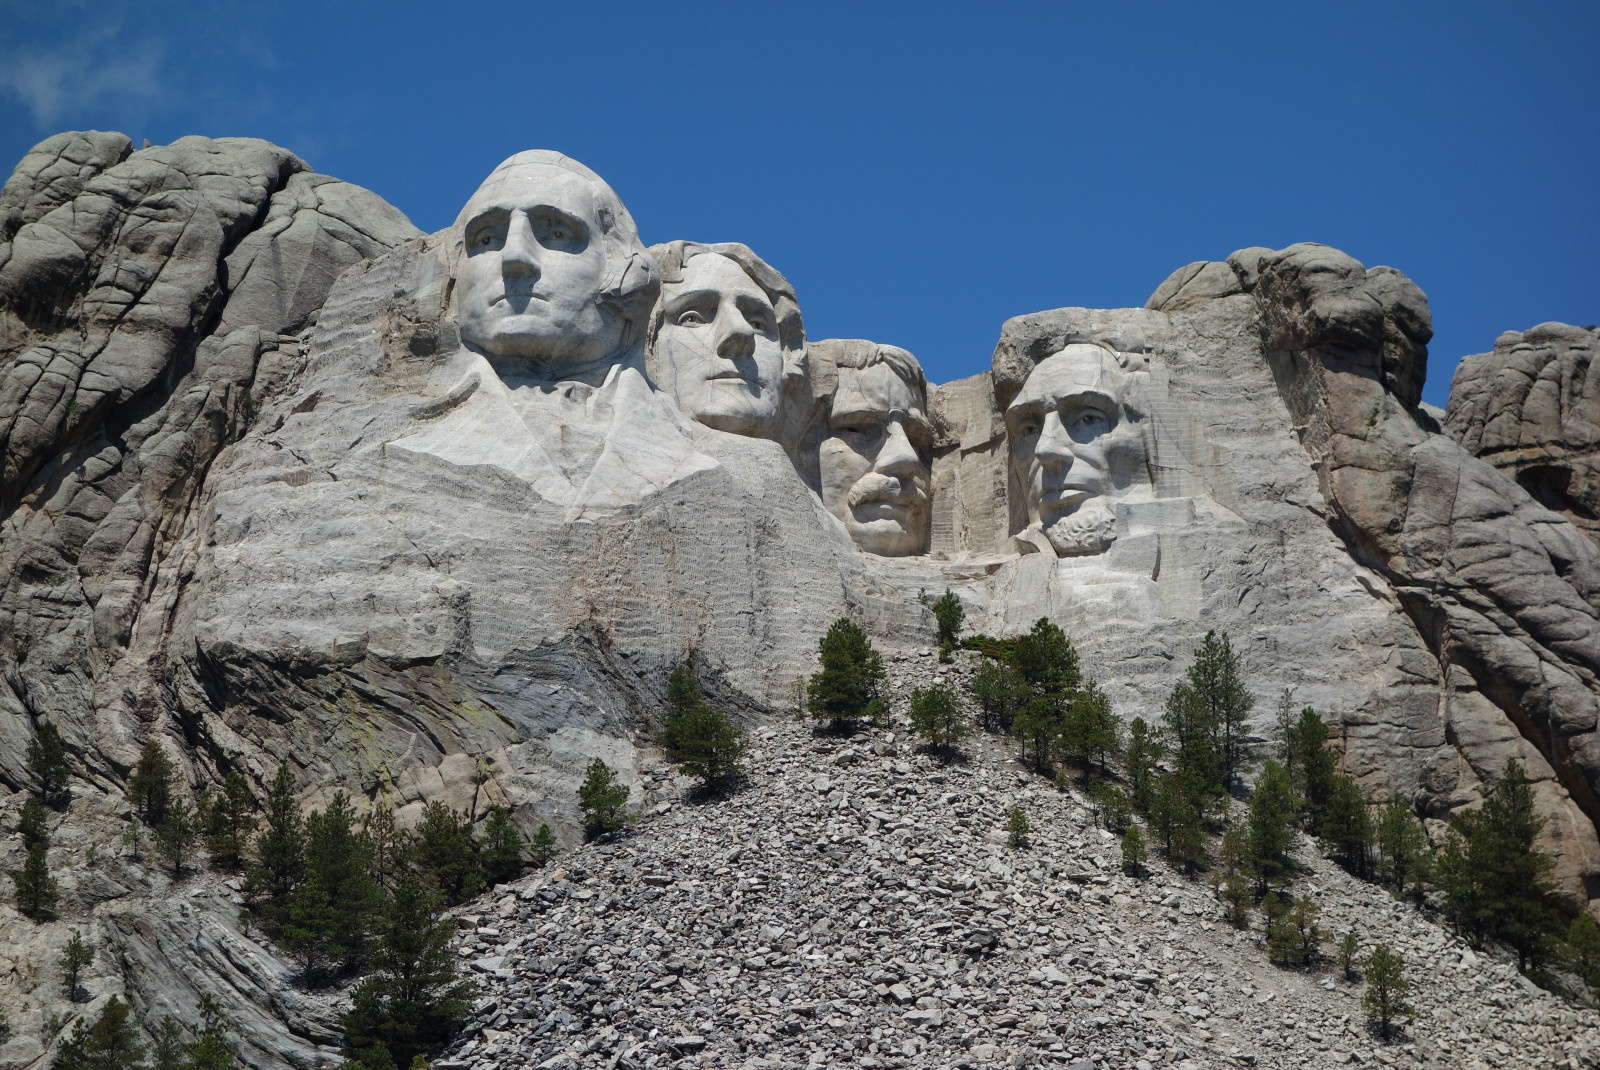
{"points": [[1089, 529], [886, 536]]}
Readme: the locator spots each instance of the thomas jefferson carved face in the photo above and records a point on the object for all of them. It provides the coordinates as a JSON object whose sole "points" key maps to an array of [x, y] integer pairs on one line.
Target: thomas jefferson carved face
{"points": [[1076, 446], [535, 265], [873, 464], [718, 348]]}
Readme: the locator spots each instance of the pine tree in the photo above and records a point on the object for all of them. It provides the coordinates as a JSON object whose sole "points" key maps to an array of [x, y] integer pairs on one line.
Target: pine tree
{"points": [[1218, 681], [1176, 820], [280, 852], [701, 738], [331, 912], [1133, 852], [1272, 808], [443, 848], [1236, 893], [1346, 826], [937, 718], [1515, 875], [1455, 870], [544, 846], [175, 834], [1312, 765], [501, 848], [1092, 730], [310, 928], [111, 1043], [391, 847], [227, 822], [1385, 997], [1348, 947], [32, 824], [1038, 726], [1017, 828], [1111, 806], [1143, 755], [150, 786], [412, 999], [1048, 663], [1402, 846], [948, 615], [36, 889], [74, 959], [601, 799], [849, 683], [1583, 950], [999, 690], [46, 759], [211, 1049]]}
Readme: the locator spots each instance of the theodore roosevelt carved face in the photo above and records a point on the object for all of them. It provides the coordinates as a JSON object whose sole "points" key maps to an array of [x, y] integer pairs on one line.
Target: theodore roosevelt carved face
{"points": [[552, 274], [725, 334], [1077, 445], [873, 462]]}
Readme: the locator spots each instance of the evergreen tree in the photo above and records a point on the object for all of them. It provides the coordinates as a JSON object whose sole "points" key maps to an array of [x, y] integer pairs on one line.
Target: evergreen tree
{"points": [[74, 958], [1583, 950], [1515, 875], [1457, 877], [227, 821], [280, 852], [1385, 997], [999, 690], [1348, 947], [501, 848], [33, 824], [1192, 736], [390, 846], [167, 1052], [601, 799], [1272, 808], [1402, 846], [1038, 727], [443, 848], [1111, 806], [1346, 826], [1312, 765], [133, 836], [150, 786], [948, 614], [175, 834], [544, 846], [1292, 932], [211, 1049], [410, 1002], [1143, 755], [1092, 731], [848, 685], [331, 911], [1048, 663], [1133, 851], [111, 1043], [36, 889], [311, 927], [46, 760], [1017, 828], [1236, 893], [1218, 681], [701, 738], [937, 718]]}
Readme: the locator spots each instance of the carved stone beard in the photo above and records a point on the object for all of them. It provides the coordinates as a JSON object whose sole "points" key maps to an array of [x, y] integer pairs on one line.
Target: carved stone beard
{"points": [[1088, 529]]}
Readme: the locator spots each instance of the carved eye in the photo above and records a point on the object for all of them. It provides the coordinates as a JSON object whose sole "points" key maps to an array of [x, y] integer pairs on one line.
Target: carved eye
{"points": [[1028, 428], [1091, 420], [757, 321], [484, 240], [691, 318]]}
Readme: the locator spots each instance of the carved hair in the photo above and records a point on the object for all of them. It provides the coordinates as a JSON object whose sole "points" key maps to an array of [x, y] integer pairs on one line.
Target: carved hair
{"points": [[863, 356], [631, 283], [672, 257]]}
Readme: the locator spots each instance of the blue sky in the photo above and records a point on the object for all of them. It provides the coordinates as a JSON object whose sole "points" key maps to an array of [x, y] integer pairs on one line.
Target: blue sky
{"points": [[919, 171]]}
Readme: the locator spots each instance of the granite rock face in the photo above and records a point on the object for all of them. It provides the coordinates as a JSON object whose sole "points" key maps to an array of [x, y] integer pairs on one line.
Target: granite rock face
{"points": [[1532, 409], [286, 482]]}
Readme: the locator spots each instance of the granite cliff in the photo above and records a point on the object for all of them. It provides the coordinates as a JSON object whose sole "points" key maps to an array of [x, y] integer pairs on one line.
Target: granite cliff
{"points": [[286, 481]]}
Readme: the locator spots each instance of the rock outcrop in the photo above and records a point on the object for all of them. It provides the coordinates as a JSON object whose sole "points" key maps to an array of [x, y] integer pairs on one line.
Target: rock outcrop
{"points": [[286, 482]]}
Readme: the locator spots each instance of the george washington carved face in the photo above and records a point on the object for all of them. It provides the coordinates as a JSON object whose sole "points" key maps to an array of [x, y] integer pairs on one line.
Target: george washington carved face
{"points": [[1077, 445]]}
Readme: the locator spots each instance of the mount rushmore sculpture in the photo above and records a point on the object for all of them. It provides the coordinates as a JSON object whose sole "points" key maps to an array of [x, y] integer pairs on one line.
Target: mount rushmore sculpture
{"points": [[285, 480]]}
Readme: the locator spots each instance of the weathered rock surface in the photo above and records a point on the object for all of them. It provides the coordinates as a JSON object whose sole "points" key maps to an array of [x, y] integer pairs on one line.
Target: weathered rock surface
{"points": [[1532, 409], [261, 504]]}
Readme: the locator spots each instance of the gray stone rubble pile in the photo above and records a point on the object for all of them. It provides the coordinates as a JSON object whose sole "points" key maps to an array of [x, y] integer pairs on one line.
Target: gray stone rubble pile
{"points": [[857, 905]]}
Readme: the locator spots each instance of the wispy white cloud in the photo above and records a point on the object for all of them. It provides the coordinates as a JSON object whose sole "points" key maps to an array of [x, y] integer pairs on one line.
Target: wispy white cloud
{"points": [[95, 68]]}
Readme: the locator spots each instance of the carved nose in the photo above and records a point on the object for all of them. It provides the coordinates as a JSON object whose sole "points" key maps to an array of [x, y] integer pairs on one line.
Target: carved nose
{"points": [[521, 253], [1055, 445], [897, 457], [735, 338]]}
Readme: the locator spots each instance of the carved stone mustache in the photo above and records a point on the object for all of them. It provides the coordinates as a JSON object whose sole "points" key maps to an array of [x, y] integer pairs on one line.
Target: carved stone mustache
{"points": [[877, 487]]}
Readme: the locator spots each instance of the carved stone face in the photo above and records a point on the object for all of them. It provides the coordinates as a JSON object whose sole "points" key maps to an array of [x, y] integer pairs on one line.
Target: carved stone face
{"points": [[718, 348], [1075, 447], [873, 464], [530, 281]]}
